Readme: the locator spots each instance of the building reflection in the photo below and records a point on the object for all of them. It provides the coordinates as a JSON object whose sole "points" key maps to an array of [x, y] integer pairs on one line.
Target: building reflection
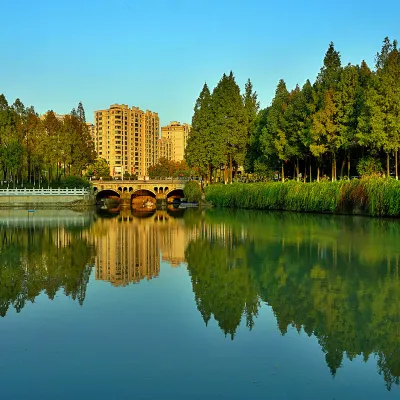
{"points": [[131, 245]]}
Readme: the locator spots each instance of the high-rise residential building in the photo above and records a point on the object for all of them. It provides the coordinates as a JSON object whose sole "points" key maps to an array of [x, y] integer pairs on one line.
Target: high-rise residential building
{"points": [[164, 149], [91, 129], [178, 134], [127, 138]]}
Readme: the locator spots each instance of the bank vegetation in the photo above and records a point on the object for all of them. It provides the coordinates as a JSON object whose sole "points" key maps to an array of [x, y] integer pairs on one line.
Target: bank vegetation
{"points": [[374, 196]]}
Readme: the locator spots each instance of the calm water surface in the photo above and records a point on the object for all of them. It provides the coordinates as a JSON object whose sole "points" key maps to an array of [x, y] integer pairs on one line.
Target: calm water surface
{"points": [[198, 305]]}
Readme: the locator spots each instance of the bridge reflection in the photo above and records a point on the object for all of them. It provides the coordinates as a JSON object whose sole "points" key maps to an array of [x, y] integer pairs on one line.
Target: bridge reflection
{"points": [[130, 245]]}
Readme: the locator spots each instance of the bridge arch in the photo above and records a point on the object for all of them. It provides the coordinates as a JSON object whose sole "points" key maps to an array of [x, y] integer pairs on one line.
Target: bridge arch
{"points": [[143, 199], [174, 195], [106, 193]]}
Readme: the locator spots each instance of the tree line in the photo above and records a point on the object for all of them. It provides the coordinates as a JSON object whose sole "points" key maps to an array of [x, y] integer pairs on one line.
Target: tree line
{"points": [[345, 123], [34, 148]]}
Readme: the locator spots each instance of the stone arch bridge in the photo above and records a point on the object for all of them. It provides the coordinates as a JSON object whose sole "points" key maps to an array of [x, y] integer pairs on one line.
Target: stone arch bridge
{"points": [[127, 191]]}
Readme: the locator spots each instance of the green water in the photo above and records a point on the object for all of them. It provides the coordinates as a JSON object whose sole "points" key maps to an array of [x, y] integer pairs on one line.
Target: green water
{"points": [[198, 305]]}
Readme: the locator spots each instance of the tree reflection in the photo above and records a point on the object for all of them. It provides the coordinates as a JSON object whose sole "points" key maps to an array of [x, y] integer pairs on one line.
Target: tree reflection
{"points": [[335, 278], [42, 259]]}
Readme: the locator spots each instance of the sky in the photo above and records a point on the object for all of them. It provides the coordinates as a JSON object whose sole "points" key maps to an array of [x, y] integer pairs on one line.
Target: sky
{"points": [[157, 54]]}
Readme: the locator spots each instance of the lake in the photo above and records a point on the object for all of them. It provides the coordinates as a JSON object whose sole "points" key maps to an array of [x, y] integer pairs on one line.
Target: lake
{"points": [[190, 304]]}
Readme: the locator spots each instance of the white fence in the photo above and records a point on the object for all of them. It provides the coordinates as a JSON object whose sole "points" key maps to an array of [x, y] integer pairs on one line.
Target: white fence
{"points": [[43, 192]]}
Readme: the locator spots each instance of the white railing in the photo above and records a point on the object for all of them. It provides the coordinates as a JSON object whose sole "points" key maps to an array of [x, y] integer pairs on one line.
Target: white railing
{"points": [[41, 192]]}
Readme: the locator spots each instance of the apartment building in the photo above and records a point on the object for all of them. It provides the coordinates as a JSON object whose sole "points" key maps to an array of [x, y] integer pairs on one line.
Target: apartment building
{"points": [[178, 134], [91, 129], [126, 138], [164, 149]]}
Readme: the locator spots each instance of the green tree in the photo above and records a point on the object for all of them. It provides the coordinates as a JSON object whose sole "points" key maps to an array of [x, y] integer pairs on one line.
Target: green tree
{"points": [[99, 168], [325, 131], [274, 138], [81, 112], [251, 109], [229, 123], [201, 152]]}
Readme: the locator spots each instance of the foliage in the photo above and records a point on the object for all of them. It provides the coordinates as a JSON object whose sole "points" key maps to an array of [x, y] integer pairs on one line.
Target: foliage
{"points": [[99, 168], [74, 182], [322, 129], [167, 168], [369, 166], [192, 191], [373, 196], [34, 149]]}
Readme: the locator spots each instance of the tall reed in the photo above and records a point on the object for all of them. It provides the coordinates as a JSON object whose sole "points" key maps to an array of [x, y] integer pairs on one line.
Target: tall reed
{"points": [[371, 196]]}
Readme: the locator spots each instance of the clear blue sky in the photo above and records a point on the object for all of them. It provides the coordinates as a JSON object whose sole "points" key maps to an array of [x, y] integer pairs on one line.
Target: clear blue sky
{"points": [[157, 54]]}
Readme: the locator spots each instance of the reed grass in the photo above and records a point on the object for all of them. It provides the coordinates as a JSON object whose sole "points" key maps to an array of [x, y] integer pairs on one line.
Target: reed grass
{"points": [[378, 197]]}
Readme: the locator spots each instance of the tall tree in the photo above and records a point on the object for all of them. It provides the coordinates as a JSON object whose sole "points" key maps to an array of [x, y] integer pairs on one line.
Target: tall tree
{"points": [[325, 130], [204, 149], [81, 112], [229, 122], [251, 109], [274, 138], [329, 74]]}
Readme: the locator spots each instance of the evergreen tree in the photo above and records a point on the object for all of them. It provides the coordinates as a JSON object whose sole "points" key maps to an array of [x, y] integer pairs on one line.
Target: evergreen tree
{"points": [[203, 150], [81, 112], [251, 108], [229, 122], [274, 139], [348, 102], [329, 74]]}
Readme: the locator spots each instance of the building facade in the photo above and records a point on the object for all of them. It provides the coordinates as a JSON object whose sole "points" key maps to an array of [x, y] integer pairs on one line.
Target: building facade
{"points": [[127, 139], [178, 134], [164, 149]]}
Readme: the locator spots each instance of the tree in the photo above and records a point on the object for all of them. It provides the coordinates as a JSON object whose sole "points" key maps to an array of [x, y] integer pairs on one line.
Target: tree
{"points": [[203, 150], [274, 138], [385, 101], [81, 113], [329, 75], [229, 122], [251, 109], [99, 168]]}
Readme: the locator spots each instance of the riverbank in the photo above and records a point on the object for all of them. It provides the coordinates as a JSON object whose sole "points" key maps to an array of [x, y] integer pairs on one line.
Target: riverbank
{"points": [[376, 197]]}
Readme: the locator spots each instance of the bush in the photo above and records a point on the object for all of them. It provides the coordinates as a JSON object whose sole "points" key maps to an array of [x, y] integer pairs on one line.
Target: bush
{"points": [[369, 166], [373, 196], [192, 192], [74, 182]]}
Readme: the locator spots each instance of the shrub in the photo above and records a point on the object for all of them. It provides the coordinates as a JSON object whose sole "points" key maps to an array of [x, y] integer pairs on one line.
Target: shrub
{"points": [[74, 182], [368, 166], [192, 191]]}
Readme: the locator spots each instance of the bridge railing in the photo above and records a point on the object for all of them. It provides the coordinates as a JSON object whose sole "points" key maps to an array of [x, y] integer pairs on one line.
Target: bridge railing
{"points": [[41, 192]]}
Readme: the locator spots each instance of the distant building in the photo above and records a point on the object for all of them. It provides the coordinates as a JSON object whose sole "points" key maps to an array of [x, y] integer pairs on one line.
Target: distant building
{"points": [[126, 138], [178, 134], [60, 117], [164, 149], [91, 129]]}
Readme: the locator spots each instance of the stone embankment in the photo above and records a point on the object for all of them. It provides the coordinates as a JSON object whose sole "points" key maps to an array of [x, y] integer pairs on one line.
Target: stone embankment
{"points": [[48, 198]]}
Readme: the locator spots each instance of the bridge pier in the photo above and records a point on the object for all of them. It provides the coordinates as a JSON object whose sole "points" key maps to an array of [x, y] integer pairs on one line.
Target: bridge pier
{"points": [[125, 199]]}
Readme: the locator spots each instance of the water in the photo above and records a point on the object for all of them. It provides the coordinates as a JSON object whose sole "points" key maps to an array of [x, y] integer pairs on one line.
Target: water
{"points": [[198, 305]]}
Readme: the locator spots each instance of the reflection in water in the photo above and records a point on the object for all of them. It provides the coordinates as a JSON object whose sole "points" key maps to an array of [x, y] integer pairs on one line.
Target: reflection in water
{"points": [[336, 278], [44, 251], [129, 246]]}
